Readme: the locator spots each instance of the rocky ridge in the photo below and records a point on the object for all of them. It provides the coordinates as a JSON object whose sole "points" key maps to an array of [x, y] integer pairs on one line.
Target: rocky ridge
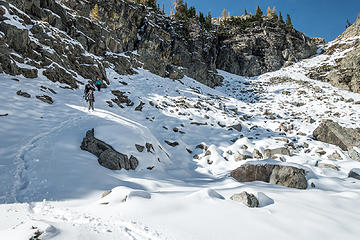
{"points": [[56, 37], [341, 64]]}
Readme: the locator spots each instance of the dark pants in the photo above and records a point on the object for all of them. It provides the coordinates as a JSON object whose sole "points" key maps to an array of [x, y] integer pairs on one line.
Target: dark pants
{"points": [[98, 87], [91, 104]]}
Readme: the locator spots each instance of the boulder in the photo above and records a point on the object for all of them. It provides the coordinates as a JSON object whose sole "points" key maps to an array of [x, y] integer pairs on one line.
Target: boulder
{"points": [[45, 98], [288, 176], [140, 148], [107, 156], [237, 127], [271, 173], [327, 165], [355, 173], [331, 132], [257, 154], [247, 199], [23, 94]]}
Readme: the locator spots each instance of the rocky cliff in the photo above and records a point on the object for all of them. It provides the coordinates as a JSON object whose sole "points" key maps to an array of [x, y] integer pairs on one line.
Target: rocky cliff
{"points": [[341, 66], [56, 37]]}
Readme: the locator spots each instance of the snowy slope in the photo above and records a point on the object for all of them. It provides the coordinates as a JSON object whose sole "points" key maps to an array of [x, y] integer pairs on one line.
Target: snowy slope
{"points": [[52, 189], [50, 185]]}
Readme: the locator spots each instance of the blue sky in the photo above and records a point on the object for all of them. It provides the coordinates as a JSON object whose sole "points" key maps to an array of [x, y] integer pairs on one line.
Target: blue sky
{"points": [[315, 18]]}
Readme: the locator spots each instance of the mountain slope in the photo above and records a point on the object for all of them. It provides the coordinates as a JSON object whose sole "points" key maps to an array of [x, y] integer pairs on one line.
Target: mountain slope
{"points": [[51, 189]]}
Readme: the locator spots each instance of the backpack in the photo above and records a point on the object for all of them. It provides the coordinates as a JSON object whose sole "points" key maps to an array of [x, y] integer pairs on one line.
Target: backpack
{"points": [[98, 82]]}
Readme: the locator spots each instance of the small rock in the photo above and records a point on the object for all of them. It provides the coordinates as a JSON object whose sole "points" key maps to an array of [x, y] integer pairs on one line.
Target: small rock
{"points": [[355, 173], [139, 147], [46, 99], [320, 151], [335, 155], [247, 199], [237, 127], [270, 153], [149, 147], [354, 153], [240, 157], [189, 151], [229, 152], [106, 193], [196, 156], [312, 185], [140, 106], [327, 165], [244, 147], [202, 146], [23, 94], [207, 153], [257, 154], [172, 144], [150, 168]]}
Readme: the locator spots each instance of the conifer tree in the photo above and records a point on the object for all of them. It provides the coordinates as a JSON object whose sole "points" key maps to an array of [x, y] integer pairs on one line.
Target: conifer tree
{"points": [[223, 13], [163, 8], [288, 21], [245, 13], [208, 21], [268, 12], [259, 13], [94, 14], [281, 20]]}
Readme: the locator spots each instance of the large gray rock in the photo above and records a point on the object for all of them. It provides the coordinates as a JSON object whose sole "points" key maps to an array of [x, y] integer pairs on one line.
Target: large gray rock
{"points": [[288, 176], [107, 156], [247, 199], [331, 132], [275, 174]]}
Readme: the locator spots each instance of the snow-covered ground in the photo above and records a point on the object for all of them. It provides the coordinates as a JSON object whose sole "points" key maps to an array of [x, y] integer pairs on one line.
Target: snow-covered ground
{"points": [[51, 188]]}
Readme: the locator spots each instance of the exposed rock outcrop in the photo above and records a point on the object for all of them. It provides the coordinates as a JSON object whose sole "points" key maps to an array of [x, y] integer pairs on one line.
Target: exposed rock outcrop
{"points": [[107, 156], [271, 173], [344, 72], [148, 38], [331, 132], [263, 46]]}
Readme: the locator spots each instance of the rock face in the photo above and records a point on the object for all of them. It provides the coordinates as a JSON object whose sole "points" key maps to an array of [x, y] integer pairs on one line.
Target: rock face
{"points": [[345, 73], [263, 46], [107, 156], [275, 174], [150, 39], [331, 132], [246, 198]]}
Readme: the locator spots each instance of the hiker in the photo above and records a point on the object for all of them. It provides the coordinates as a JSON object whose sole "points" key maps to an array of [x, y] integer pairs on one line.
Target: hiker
{"points": [[90, 98], [98, 83], [87, 88]]}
